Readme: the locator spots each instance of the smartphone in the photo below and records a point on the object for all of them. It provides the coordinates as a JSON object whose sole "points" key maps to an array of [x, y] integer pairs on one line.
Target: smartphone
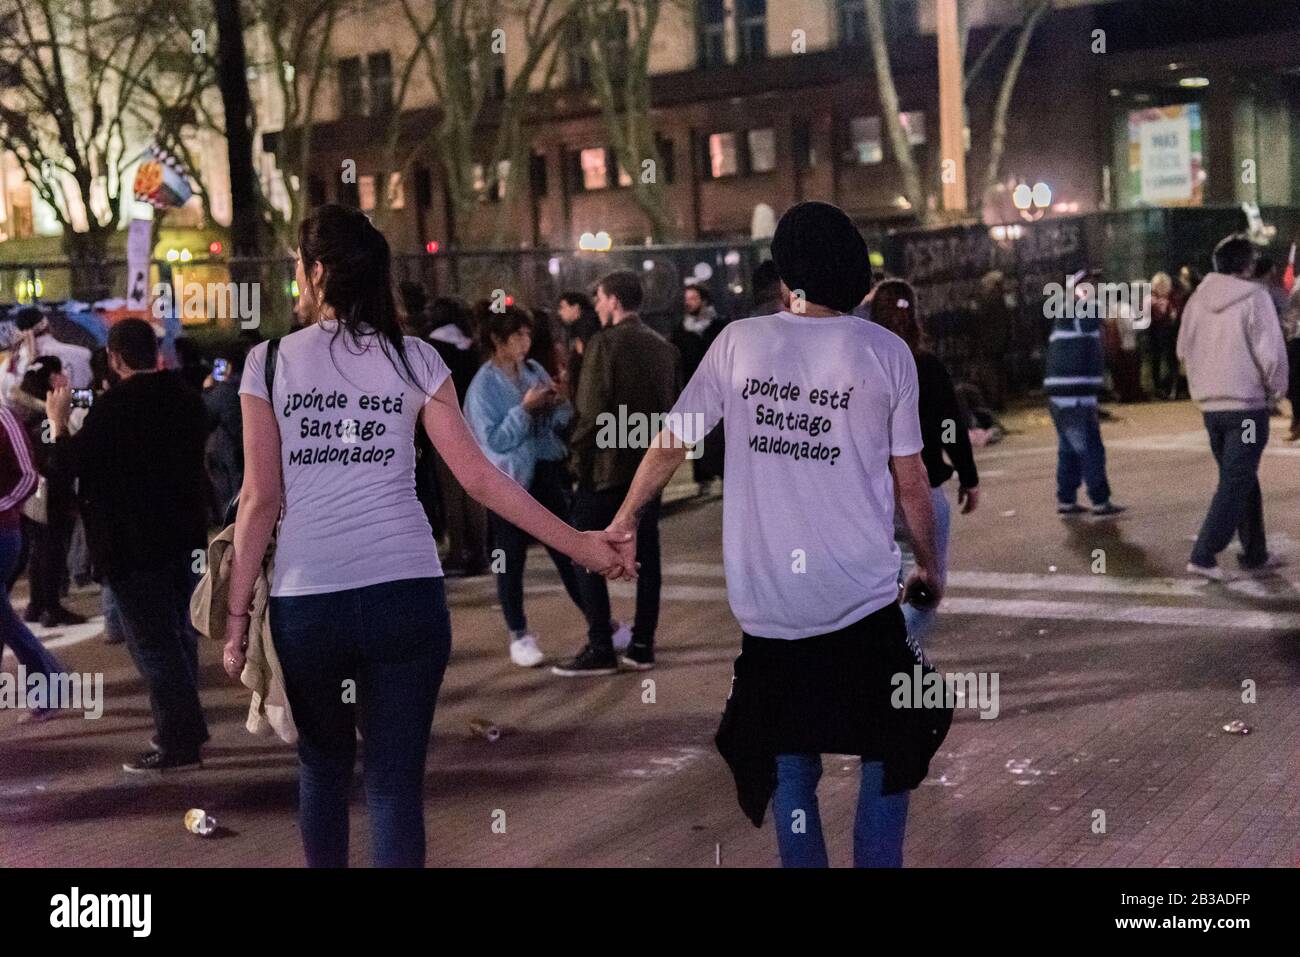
{"points": [[82, 398], [220, 369]]}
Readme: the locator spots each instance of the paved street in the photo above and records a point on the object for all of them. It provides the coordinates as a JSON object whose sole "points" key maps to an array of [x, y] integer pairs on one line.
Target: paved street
{"points": [[1114, 688]]}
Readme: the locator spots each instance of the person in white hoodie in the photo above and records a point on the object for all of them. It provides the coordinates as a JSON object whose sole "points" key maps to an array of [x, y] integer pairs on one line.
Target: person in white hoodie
{"points": [[1231, 343]]}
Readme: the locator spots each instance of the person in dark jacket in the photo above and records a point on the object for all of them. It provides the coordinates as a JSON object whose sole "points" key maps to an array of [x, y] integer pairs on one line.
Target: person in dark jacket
{"points": [[700, 325], [138, 459], [943, 430], [225, 446], [452, 331], [1075, 377], [48, 530], [580, 323], [630, 375]]}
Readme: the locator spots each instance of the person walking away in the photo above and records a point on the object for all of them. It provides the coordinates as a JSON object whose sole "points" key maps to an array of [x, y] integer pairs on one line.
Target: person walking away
{"points": [[820, 409], [518, 416], [18, 477], [692, 337], [225, 446], [630, 374], [356, 597], [993, 338], [1075, 377], [1163, 337], [138, 461], [452, 335], [1231, 342], [943, 430]]}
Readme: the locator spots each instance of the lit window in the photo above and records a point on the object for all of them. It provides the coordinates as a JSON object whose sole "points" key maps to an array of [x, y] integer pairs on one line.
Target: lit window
{"points": [[722, 155], [762, 150], [594, 174], [366, 192], [914, 125], [864, 136], [396, 192]]}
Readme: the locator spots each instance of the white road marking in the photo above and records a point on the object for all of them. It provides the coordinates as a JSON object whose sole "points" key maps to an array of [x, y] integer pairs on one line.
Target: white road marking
{"points": [[1225, 619], [64, 636]]}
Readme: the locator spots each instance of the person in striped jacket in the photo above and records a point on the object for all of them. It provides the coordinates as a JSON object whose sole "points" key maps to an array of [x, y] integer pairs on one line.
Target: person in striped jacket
{"points": [[1075, 377], [18, 479]]}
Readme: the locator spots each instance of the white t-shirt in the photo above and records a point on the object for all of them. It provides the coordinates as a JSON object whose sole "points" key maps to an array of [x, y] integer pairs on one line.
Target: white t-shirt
{"points": [[347, 444], [813, 409]]}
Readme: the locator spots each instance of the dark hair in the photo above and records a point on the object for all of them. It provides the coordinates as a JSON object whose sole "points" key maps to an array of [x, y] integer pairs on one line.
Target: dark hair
{"points": [[36, 380], [358, 280], [1263, 267], [235, 352], [28, 317], [579, 299], [542, 350], [448, 311], [893, 305], [413, 298], [495, 327], [133, 341], [767, 281], [1233, 254], [625, 286], [706, 297]]}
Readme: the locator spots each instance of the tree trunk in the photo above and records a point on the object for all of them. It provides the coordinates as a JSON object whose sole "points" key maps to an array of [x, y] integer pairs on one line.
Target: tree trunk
{"points": [[998, 134], [88, 276], [232, 75], [901, 149]]}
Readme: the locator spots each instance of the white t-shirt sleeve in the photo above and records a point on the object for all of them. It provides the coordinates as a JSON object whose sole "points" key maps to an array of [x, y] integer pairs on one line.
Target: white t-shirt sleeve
{"points": [[904, 419], [253, 379], [701, 405], [430, 371]]}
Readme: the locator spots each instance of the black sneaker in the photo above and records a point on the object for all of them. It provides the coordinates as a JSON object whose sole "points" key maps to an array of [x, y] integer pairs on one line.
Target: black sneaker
{"points": [[32, 615], [588, 662], [638, 657], [158, 762], [61, 616], [1069, 508]]}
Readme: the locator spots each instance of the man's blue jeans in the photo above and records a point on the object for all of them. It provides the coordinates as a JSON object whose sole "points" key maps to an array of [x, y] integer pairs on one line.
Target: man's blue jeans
{"points": [[1237, 440], [372, 659], [877, 830], [1080, 455]]}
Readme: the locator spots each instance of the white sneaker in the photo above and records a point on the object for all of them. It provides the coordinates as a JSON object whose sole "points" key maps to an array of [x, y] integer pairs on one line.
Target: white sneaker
{"points": [[525, 653], [1213, 572], [622, 636]]}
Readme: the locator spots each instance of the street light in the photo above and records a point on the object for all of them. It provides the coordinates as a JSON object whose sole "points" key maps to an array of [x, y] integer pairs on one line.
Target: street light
{"points": [[1032, 201]]}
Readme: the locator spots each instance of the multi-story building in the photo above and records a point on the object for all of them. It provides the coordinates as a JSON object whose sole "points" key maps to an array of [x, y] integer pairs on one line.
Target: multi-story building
{"points": [[758, 103]]}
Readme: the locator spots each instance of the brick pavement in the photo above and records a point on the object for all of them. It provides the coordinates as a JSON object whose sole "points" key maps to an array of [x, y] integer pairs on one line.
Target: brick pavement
{"points": [[1096, 715]]}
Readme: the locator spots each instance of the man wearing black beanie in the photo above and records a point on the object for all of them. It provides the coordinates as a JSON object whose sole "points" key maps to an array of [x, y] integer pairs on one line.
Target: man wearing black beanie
{"points": [[820, 413]]}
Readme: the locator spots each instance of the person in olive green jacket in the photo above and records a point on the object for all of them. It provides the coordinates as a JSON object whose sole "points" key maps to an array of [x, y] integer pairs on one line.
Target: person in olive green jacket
{"points": [[631, 376]]}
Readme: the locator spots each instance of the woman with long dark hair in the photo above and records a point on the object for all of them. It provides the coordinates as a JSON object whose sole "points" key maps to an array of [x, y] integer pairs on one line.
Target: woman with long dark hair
{"points": [[358, 613], [943, 430]]}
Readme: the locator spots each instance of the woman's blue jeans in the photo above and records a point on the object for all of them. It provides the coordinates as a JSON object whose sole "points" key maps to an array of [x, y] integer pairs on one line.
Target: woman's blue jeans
{"points": [[27, 648], [877, 829], [371, 659]]}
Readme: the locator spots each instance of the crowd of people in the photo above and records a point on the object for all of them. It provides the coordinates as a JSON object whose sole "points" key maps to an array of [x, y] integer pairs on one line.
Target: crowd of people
{"points": [[396, 440]]}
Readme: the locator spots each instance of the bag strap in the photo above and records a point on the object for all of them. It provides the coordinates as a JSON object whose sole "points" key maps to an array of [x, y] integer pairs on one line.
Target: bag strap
{"points": [[272, 350]]}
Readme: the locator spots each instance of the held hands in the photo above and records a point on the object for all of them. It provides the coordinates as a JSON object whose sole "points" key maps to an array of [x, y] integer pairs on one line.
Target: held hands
{"points": [[968, 499], [606, 553], [540, 398]]}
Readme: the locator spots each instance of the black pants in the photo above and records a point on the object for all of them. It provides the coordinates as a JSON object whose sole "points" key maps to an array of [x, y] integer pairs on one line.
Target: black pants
{"points": [[593, 511], [154, 604], [549, 488], [48, 559], [1162, 357]]}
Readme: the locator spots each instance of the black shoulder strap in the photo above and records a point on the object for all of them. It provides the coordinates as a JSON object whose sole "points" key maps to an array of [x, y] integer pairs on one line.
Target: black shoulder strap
{"points": [[272, 350]]}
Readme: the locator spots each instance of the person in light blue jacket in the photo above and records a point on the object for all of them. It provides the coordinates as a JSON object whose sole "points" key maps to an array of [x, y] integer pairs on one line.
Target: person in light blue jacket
{"points": [[518, 414]]}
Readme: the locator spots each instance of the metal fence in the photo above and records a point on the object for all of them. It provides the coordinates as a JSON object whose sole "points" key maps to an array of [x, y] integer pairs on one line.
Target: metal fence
{"points": [[945, 265]]}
